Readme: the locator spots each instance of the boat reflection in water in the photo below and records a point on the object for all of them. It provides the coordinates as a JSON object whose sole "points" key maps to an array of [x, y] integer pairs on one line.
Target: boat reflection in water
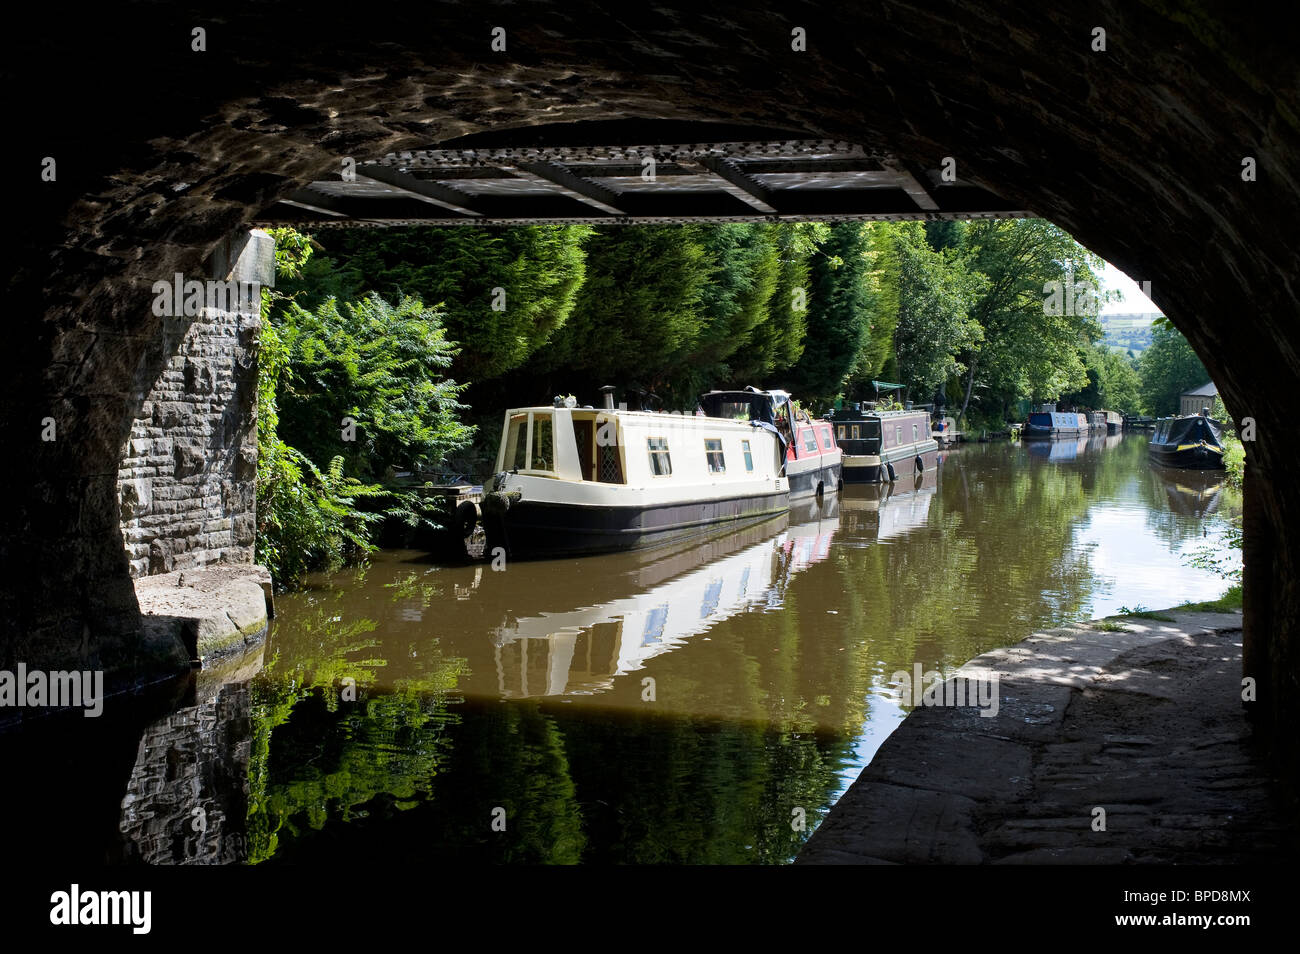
{"points": [[878, 513], [1061, 449], [1191, 493], [582, 651], [1072, 448]]}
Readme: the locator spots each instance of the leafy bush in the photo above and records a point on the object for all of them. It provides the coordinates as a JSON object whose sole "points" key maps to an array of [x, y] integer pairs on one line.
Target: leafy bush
{"points": [[369, 361], [363, 381], [308, 518]]}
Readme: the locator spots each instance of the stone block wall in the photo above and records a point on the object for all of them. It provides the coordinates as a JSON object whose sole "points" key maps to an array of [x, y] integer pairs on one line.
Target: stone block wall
{"points": [[186, 482]]}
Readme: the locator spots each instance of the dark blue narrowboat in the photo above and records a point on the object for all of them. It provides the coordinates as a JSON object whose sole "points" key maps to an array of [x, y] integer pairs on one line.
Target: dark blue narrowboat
{"points": [[1194, 441]]}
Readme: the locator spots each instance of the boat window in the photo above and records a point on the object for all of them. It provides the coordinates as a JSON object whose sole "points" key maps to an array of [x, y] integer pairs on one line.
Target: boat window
{"points": [[735, 410], [517, 443], [713, 451], [916, 432], [661, 464], [856, 432], [749, 456], [543, 456], [898, 433], [809, 440], [826, 438], [840, 432]]}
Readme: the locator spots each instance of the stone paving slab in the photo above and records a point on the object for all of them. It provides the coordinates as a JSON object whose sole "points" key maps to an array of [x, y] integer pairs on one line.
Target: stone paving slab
{"points": [[1145, 724]]}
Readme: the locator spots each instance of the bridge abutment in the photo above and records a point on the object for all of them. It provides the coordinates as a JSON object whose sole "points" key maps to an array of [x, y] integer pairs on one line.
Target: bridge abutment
{"points": [[187, 482]]}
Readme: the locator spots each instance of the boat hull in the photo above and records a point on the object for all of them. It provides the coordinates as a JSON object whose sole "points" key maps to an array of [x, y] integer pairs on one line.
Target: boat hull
{"points": [[534, 529], [804, 482], [1033, 432], [874, 468], [1200, 457]]}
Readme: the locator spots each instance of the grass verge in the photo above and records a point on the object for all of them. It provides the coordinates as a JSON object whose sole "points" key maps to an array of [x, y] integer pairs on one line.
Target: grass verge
{"points": [[1226, 603]]}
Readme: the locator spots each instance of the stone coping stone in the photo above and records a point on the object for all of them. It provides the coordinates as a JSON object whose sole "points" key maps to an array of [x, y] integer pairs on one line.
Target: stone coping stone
{"points": [[216, 612]]}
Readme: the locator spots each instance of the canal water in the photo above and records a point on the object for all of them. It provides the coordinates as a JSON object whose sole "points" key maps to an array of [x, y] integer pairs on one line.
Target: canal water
{"points": [[679, 706]]}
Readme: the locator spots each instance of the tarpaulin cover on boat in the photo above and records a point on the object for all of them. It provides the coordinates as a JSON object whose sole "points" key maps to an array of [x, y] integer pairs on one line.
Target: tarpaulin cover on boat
{"points": [[1188, 430], [766, 409]]}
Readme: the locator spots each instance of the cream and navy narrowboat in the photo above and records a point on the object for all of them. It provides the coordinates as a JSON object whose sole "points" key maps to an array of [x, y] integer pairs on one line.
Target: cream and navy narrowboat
{"points": [[575, 480], [1114, 422], [884, 445]]}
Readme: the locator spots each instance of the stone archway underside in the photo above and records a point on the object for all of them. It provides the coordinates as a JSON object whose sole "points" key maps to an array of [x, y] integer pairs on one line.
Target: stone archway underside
{"points": [[163, 151]]}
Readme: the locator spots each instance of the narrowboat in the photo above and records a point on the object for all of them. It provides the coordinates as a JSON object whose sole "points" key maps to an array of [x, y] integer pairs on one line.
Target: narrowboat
{"points": [[573, 481], [1194, 441], [1050, 425], [812, 457], [1114, 422], [884, 445], [1097, 422]]}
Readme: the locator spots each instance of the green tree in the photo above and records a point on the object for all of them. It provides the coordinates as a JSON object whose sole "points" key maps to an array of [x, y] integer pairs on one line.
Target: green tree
{"points": [[839, 305], [883, 275], [1168, 368], [503, 292], [637, 315], [777, 344], [1113, 382], [745, 266], [1024, 350], [374, 363], [305, 517], [364, 381], [935, 291]]}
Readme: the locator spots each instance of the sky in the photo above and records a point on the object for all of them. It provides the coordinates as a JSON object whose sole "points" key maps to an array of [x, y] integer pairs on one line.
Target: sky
{"points": [[1134, 301]]}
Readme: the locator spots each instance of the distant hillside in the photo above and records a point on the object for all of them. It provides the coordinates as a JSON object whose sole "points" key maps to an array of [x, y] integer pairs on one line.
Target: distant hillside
{"points": [[1127, 332]]}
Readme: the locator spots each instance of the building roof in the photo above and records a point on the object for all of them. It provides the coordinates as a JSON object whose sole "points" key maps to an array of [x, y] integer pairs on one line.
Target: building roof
{"points": [[1205, 390]]}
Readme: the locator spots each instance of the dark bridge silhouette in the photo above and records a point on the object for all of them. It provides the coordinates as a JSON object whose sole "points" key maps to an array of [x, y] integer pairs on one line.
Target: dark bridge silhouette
{"points": [[1171, 152]]}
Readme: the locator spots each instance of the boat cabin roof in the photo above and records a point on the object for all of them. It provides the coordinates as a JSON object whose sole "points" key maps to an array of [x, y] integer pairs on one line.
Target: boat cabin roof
{"points": [[1177, 430], [853, 414], [754, 405]]}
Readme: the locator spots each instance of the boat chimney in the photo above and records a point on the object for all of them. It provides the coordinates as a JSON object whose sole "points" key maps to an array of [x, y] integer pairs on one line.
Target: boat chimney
{"points": [[1205, 412], [608, 392]]}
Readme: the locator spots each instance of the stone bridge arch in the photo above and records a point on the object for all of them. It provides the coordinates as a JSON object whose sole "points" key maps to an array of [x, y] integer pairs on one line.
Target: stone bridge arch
{"points": [[164, 150]]}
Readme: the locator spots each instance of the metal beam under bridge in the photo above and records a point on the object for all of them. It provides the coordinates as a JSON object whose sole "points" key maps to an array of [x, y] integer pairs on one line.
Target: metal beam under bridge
{"points": [[633, 173]]}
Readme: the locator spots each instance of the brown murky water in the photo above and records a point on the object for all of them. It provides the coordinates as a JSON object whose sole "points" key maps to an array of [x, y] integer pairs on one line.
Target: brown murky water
{"points": [[667, 706]]}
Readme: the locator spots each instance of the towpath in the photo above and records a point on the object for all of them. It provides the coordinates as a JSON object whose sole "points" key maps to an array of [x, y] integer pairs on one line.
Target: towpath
{"points": [[1145, 724]]}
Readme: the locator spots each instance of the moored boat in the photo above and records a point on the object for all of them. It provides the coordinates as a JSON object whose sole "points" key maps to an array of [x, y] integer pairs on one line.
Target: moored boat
{"points": [[1051, 425], [573, 480], [884, 445], [1114, 422], [812, 457], [1193, 441]]}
